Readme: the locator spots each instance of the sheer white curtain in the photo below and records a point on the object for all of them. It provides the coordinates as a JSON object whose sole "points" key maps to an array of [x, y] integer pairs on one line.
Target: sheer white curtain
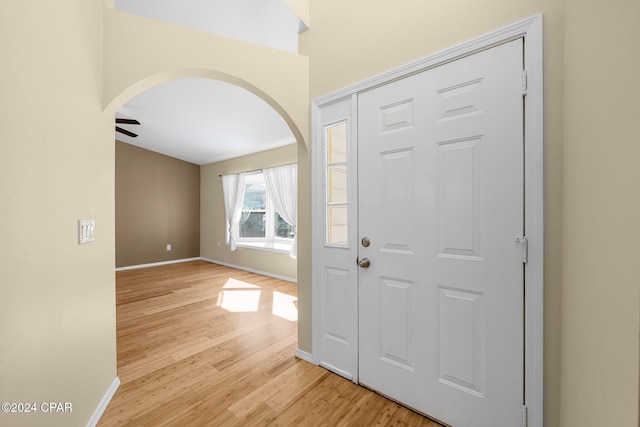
{"points": [[233, 189], [282, 186]]}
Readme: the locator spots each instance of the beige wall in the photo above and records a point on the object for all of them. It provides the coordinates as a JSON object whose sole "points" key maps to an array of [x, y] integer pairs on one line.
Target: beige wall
{"points": [[57, 314], [63, 64], [157, 203], [601, 280], [301, 9], [57, 311], [591, 189], [212, 234], [140, 53]]}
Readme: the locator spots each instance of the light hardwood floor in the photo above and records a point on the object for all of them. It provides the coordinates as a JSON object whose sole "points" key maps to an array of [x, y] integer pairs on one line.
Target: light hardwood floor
{"points": [[205, 345]]}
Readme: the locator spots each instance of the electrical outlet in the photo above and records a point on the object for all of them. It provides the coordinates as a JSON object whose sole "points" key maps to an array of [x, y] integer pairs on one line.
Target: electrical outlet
{"points": [[168, 247]]}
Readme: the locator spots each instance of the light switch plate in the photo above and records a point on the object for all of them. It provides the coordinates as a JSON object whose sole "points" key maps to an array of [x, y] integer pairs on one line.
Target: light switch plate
{"points": [[85, 230]]}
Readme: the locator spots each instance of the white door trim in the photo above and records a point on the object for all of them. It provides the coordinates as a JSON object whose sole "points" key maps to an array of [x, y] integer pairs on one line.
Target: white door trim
{"points": [[532, 31]]}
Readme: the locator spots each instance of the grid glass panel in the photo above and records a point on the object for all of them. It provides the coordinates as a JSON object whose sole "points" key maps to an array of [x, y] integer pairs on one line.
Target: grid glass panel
{"points": [[337, 144], [336, 184], [337, 232]]}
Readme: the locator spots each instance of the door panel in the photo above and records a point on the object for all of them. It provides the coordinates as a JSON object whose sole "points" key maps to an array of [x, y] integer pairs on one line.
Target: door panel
{"points": [[460, 337], [396, 346], [459, 231], [440, 190], [397, 200], [336, 295]]}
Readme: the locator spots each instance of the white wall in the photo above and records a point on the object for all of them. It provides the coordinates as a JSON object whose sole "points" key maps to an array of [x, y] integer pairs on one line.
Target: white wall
{"points": [[269, 23]]}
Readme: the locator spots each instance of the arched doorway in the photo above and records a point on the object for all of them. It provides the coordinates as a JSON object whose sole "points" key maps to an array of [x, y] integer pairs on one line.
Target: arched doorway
{"points": [[139, 54], [233, 299], [200, 125]]}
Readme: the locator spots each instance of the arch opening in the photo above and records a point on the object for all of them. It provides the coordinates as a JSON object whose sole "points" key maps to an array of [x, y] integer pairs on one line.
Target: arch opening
{"points": [[155, 80]]}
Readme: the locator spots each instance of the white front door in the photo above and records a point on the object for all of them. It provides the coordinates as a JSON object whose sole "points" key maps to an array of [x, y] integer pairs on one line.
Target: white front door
{"points": [[441, 197]]}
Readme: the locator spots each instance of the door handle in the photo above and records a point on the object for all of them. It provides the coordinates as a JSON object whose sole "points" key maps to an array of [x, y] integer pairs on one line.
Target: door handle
{"points": [[364, 263]]}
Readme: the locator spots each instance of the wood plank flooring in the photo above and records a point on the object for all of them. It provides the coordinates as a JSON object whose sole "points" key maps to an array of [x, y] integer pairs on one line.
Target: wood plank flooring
{"points": [[205, 345]]}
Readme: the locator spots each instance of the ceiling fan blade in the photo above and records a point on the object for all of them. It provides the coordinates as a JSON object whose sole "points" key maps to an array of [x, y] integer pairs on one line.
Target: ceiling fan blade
{"points": [[126, 132], [127, 121]]}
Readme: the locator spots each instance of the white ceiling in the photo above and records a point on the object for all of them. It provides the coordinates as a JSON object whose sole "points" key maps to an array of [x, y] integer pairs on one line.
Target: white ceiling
{"points": [[204, 121]]}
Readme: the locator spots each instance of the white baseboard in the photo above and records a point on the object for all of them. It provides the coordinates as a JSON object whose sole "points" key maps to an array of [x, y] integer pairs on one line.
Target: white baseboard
{"points": [[93, 421], [304, 356], [213, 261], [251, 270], [155, 264]]}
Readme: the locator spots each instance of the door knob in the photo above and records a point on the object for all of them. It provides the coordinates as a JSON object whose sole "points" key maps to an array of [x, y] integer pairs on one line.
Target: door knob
{"points": [[364, 263]]}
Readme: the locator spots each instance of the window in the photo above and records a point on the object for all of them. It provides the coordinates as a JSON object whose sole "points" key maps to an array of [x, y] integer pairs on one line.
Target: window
{"points": [[254, 208], [260, 223], [335, 141]]}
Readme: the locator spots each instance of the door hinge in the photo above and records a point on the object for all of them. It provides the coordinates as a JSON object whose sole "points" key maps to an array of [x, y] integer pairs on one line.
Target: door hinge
{"points": [[525, 85], [524, 243], [525, 416]]}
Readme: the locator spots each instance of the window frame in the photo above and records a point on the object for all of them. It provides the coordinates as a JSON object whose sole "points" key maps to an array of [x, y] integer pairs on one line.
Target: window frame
{"points": [[271, 241]]}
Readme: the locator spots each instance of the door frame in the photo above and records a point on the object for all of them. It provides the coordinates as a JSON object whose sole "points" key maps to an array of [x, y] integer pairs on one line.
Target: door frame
{"points": [[531, 30]]}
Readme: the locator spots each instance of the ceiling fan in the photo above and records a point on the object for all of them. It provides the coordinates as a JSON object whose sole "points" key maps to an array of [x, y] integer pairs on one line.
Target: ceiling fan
{"points": [[126, 122]]}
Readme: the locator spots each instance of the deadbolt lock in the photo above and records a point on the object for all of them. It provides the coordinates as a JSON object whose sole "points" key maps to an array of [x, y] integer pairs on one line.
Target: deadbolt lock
{"points": [[366, 242]]}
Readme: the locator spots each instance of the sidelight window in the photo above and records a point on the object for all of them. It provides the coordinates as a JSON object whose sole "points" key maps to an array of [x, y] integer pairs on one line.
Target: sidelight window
{"points": [[335, 142]]}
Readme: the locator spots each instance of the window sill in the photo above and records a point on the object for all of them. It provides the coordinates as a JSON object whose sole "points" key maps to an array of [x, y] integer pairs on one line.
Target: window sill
{"points": [[282, 248]]}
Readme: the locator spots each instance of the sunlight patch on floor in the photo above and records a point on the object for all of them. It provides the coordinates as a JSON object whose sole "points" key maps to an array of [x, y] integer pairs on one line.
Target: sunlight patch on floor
{"points": [[239, 297], [285, 306]]}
